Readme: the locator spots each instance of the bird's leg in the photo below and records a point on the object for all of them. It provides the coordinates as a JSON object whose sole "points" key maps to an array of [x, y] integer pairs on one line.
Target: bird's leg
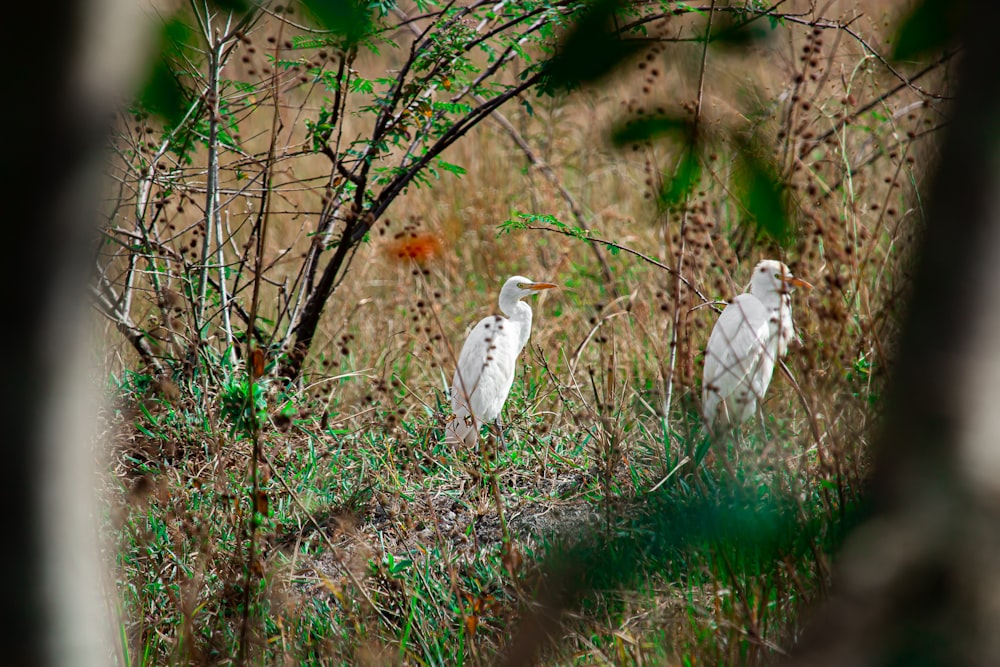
{"points": [[762, 422], [500, 435]]}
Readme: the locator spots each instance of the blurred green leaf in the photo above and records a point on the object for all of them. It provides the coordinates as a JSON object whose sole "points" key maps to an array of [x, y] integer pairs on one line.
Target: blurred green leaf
{"points": [[685, 178], [931, 25], [235, 6], [762, 195], [731, 33], [351, 19], [650, 127], [682, 130], [590, 50], [671, 531], [175, 35], [161, 93]]}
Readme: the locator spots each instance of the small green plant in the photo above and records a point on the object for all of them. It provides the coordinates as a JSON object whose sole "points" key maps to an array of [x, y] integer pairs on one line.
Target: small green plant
{"points": [[244, 405]]}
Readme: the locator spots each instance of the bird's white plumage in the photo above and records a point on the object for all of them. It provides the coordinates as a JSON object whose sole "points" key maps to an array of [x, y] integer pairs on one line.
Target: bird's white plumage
{"points": [[749, 337], [486, 364], [738, 344], [484, 375]]}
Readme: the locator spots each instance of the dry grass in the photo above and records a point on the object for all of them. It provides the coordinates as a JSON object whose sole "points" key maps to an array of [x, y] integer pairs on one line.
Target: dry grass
{"points": [[381, 545]]}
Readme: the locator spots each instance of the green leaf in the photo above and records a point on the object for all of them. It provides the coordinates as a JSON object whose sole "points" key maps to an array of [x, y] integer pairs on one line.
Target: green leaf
{"points": [[731, 34], [541, 219], [685, 8], [591, 49], [931, 26], [761, 193], [650, 127], [511, 225], [235, 6], [350, 19], [161, 93], [401, 565], [752, 528], [453, 168], [360, 85], [686, 177], [687, 173]]}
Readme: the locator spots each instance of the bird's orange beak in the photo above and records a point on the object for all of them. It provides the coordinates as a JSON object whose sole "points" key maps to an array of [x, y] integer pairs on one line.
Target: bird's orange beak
{"points": [[798, 282], [541, 286]]}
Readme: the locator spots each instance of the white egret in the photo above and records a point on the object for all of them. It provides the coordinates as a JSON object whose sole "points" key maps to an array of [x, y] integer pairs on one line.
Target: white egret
{"points": [[750, 336], [485, 370]]}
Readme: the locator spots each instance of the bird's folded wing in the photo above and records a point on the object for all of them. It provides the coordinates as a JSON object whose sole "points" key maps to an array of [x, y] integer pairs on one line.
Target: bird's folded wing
{"points": [[486, 368], [737, 345], [470, 362]]}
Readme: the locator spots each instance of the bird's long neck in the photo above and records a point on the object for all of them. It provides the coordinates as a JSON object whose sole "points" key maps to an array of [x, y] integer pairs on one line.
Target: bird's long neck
{"points": [[519, 313]]}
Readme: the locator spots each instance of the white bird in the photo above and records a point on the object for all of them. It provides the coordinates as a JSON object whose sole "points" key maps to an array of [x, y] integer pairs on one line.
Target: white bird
{"points": [[750, 336], [485, 370]]}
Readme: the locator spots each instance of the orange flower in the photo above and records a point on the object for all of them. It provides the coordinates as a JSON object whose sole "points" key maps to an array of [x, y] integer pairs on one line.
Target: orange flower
{"points": [[420, 247]]}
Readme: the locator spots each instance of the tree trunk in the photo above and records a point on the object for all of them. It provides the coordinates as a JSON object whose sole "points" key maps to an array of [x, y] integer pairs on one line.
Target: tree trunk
{"points": [[70, 60]]}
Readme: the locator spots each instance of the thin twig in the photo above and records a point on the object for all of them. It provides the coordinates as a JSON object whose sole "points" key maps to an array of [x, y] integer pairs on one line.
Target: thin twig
{"points": [[682, 240], [212, 180], [631, 251], [252, 369]]}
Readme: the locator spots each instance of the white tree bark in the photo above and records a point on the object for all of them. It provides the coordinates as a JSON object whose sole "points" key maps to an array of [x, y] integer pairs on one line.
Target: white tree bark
{"points": [[84, 57]]}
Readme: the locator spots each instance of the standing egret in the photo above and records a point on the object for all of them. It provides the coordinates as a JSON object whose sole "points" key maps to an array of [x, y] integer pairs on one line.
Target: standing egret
{"points": [[750, 336], [485, 370]]}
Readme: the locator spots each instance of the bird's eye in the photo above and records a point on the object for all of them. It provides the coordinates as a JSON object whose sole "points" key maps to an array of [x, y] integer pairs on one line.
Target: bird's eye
{"points": [[522, 286], [777, 276]]}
